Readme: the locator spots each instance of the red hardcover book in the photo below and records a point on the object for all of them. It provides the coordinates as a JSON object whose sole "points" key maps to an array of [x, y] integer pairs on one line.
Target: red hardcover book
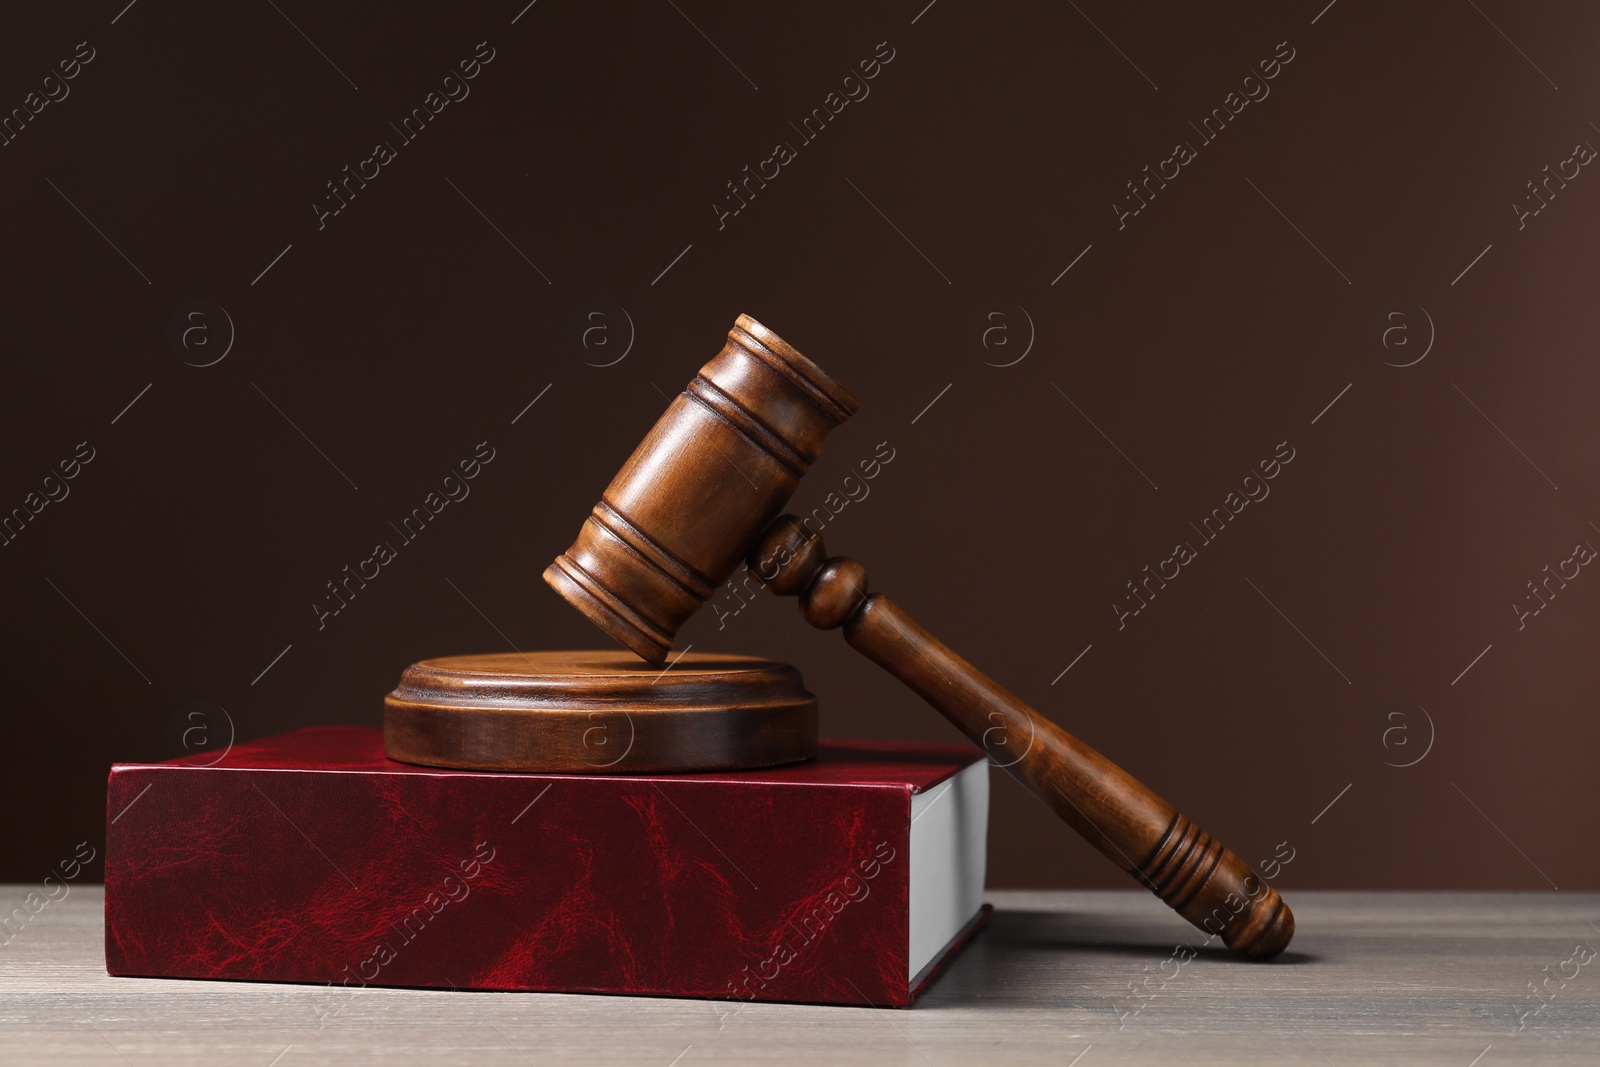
{"points": [[311, 857]]}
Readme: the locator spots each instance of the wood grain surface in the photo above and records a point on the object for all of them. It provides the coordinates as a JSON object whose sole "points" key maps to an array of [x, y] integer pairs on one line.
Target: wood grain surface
{"points": [[1418, 978], [600, 712]]}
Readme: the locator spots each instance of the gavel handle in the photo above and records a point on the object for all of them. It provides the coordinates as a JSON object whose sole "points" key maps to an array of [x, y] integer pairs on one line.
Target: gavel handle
{"points": [[1132, 826]]}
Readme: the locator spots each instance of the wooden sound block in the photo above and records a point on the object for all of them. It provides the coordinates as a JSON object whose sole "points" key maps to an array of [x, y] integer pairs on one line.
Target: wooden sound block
{"points": [[599, 713]]}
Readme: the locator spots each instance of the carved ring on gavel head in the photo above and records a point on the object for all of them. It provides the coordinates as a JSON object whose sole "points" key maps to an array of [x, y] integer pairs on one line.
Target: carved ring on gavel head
{"points": [[705, 488]]}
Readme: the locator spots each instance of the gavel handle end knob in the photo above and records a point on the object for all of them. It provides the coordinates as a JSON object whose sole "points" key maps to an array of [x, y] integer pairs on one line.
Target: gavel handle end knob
{"points": [[1215, 890]]}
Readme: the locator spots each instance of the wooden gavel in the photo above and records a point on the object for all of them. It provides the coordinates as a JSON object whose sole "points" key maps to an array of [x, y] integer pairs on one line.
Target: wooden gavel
{"points": [[703, 491]]}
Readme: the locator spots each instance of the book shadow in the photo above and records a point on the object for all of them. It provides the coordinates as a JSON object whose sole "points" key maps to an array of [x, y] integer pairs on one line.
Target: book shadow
{"points": [[1001, 967]]}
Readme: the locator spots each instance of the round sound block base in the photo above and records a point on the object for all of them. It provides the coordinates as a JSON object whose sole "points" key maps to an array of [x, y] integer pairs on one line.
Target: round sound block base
{"points": [[599, 713]]}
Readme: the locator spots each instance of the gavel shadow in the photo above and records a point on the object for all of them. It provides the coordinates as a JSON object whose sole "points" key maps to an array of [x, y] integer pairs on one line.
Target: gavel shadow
{"points": [[1087, 955]]}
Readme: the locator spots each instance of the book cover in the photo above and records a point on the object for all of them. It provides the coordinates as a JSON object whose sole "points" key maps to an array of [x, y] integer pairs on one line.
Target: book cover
{"points": [[312, 857]]}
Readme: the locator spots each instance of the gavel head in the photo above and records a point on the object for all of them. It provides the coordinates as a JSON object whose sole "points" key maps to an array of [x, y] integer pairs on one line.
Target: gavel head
{"points": [[700, 489]]}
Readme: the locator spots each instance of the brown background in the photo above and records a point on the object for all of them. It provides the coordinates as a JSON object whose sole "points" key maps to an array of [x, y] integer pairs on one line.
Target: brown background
{"points": [[1197, 338]]}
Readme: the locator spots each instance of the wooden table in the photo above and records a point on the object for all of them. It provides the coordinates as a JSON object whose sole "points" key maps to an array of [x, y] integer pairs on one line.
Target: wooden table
{"points": [[1371, 978]]}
